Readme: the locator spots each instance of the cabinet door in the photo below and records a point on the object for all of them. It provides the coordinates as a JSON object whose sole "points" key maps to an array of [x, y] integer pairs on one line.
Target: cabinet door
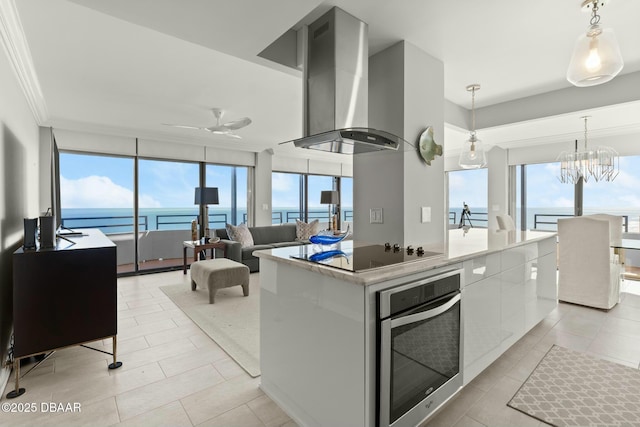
{"points": [[482, 328], [540, 289], [512, 297]]}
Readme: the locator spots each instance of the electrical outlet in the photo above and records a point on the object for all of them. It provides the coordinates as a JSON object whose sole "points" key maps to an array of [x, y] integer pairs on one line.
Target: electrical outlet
{"points": [[426, 214], [375, 216]]}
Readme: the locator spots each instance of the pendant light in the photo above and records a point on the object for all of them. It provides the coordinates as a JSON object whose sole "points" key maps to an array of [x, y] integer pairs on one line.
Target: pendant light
{"points": [[472, 155], [601, 164], [596, 55]]}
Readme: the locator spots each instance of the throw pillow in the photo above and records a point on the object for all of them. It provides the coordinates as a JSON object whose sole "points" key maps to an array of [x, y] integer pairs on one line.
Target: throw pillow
{"points": [[304, 230], [240, 234]]}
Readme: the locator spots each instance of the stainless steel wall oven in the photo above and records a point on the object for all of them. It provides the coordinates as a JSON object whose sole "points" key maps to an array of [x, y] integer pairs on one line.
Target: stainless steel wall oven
{"points": [[419, 348]]}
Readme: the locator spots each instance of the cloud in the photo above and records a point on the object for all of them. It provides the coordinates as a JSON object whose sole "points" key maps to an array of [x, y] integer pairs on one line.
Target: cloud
{"points": [[284, 181], [99, 192]]}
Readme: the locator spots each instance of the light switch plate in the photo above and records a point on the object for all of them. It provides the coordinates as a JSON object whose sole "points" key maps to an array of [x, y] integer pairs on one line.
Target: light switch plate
{"points": [[375, 216], [426, 214], [265, 206]]}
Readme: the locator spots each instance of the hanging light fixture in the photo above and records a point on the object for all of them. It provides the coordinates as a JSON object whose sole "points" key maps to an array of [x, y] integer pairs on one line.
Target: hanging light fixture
{"points": [[472, 156], [596, 56], [601, 164]]}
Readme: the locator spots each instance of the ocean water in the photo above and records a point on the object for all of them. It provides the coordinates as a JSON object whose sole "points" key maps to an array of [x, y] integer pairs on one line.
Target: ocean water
{"points": [[121, 220], [118, 220]]}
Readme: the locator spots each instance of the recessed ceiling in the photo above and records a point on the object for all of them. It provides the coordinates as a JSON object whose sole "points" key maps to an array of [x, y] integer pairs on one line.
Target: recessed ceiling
{"points": [[129, 66]]}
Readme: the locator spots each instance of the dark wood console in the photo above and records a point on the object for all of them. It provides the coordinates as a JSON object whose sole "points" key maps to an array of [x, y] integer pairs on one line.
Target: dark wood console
{"points": [[64, 296]]}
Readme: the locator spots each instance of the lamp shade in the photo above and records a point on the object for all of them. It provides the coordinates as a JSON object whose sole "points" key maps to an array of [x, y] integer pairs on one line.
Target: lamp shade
{"points": [[472, 155], [206, 196], [329, 197], [596, 58]]}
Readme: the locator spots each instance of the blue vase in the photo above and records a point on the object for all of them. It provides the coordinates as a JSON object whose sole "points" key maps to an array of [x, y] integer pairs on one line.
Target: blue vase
{"points": [[323, 239]]}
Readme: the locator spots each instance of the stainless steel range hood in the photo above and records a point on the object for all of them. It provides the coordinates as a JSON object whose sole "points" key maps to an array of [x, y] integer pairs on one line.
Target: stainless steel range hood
{"points": [[336, 72]]}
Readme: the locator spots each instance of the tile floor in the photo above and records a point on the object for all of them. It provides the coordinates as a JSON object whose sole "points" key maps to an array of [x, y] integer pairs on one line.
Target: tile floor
{"points": [[174, 375], [612, 335]]}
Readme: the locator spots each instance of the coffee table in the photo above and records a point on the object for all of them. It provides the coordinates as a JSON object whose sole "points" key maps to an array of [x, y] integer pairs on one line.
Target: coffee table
{"points": [[197, 247]]}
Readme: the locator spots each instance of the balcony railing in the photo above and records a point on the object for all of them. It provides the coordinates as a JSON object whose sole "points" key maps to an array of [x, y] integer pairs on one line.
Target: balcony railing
{"points": [[481, 222], [543, 220]]}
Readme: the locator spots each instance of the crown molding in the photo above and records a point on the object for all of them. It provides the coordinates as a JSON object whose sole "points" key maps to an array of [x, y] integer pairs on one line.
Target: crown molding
{"points": [[17, 51]]}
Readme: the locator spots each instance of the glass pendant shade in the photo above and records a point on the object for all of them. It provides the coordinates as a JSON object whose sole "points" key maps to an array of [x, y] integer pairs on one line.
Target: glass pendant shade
{"points": [[472, 155], [596, 58]]}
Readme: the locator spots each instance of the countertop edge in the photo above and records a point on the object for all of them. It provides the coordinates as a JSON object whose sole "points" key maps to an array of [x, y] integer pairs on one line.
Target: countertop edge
{"points": [[381, 274]]}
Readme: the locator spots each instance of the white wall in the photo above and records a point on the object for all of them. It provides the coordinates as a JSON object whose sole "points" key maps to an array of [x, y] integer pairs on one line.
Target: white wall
{"points": [[19, 185], [406, 94], [262, 188]]}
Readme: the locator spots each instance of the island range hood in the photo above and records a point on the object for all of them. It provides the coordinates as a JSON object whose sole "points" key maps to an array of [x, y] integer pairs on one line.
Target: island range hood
{"points": [[336, 72]]}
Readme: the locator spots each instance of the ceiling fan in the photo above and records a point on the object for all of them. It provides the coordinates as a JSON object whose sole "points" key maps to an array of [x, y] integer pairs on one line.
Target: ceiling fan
{"points": [[220, 129]]}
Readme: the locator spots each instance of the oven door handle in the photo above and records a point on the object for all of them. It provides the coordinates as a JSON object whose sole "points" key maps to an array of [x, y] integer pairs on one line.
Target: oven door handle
{"points": [[424, 315]]}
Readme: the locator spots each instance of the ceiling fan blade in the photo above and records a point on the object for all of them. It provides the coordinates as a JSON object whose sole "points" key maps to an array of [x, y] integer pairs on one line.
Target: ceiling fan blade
{"points": [[182, 126], [233, 135], [237, 124]]}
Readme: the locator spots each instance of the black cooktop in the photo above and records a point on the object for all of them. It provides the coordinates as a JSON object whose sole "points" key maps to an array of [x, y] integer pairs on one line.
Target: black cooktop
{"points": [[360, 258]]}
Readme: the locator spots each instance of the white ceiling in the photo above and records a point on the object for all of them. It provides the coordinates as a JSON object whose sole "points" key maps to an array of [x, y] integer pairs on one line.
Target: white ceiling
{"points": [[127, 66]]}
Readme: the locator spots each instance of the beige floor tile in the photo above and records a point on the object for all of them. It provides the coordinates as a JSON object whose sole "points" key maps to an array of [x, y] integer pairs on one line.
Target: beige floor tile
{"points": [[137, 295], [139, 311], [466, 421], [91, 391], [617, 346], [146, 329], [160, 393], [522, 347], [214, 401], [147, 301], [579, 323], [241, 416], [101, 413], [175, 333], [624, 311], [289, 424], [191, 359], [631, 300], [154, 354], [170, 415], [526, 365], [175, 314], [228, 368], [268, 412], [456, 408], [543, 327], [490, 376], [564, 339], [203, 341], [613, 359], [625, 327], [492, 410]]}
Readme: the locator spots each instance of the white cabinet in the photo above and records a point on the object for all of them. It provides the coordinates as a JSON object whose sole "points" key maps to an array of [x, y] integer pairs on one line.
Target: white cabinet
{"points": [[504, 298], [482, 328]]}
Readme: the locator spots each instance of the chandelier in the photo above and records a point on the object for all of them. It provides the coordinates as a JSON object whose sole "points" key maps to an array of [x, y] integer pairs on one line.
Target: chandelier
{"points": [[596, 55], [601, 164], [472, 156]]}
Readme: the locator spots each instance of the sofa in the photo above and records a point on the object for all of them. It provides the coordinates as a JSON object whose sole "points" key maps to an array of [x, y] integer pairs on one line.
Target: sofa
{"points": [[267, 237]]}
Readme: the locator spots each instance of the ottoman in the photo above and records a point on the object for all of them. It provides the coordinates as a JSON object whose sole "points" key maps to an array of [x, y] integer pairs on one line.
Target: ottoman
{"points": [[214, 274]]}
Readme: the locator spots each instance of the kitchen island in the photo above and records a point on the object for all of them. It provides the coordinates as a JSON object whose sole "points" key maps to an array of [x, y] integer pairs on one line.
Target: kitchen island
{"points": [[319, 324]]}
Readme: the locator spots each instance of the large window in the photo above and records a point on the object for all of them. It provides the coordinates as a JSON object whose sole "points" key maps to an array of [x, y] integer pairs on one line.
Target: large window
{"points": [[618, 197], [97, 192], [546, 198], [298, 196], [468, 187], [232, 182], [166, 201], [287, 197]]}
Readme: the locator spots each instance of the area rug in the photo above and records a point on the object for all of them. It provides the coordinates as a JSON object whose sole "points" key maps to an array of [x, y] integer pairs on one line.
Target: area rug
{"points": [[233, 322], [568, 388]]}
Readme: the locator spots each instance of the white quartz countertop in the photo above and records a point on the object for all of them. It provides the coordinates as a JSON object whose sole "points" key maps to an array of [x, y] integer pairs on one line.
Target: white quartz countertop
{"points": [[461, 245]]}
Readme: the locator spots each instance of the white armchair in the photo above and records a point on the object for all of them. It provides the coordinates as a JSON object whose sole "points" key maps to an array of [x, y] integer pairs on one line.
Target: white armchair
{"points": [[589, 271], [505, 222]]}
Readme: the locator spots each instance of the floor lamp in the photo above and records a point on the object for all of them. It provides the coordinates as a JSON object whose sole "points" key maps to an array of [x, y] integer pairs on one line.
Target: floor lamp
{"points": [[204, 197], [329, 197]]}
